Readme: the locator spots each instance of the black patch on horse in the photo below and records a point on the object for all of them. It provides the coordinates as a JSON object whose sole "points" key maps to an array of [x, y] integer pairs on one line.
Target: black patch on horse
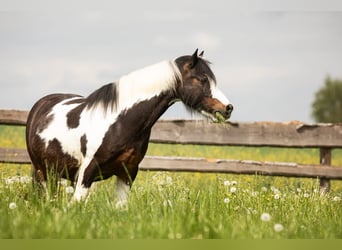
{"points": [[107, 95], [44, 123], [84, 141], [74, 115], [65, 164]]}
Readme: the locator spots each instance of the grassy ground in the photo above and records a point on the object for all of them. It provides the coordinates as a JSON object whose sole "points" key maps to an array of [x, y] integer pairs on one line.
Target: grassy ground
{"points": [[177, 205]]}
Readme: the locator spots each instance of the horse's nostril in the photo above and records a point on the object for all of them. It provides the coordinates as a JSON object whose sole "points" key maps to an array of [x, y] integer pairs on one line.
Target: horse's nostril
{"points": [[229, 108]]}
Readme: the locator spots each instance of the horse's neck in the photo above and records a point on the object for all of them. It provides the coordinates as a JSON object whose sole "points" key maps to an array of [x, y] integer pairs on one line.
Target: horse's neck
{"points": [[144, 114]]}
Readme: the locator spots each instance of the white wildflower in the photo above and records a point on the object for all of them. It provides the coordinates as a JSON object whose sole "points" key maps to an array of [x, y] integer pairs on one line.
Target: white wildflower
{"points": [[234, 183], [278, 227], [168, 180], [276, 196], [233, 189], [63, 182], [265, 217], [12, 205], [226, 200], [306, 195], [337, 198], [25, 179], [69, 190], [226, 183], [275, 190], [254, 193]]}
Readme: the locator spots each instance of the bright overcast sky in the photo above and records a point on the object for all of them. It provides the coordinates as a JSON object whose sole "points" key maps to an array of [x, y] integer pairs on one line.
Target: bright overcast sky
{"points": [[268, 63]]}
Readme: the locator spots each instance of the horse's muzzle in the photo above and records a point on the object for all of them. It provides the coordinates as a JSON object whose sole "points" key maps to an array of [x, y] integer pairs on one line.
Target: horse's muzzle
{"points": [[229, 109], [223, 115]]}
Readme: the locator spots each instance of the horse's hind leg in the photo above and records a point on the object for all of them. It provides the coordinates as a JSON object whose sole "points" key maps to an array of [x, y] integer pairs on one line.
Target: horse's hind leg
{"points": [[39, 180]]}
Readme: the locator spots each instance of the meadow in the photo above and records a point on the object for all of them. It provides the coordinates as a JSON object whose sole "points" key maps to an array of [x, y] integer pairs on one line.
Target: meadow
{"points": [[169, 205]]}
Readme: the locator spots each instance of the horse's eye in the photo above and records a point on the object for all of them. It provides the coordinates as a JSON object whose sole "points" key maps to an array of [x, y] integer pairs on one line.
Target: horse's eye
{"points": [[204, 79]]}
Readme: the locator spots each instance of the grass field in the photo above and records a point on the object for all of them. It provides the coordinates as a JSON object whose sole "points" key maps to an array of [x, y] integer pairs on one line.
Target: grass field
{"points": [[177, 205]]}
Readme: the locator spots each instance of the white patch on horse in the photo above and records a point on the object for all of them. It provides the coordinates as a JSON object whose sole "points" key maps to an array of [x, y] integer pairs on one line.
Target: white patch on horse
{"points": [[58, 129], [144, 84], [218, 94]]}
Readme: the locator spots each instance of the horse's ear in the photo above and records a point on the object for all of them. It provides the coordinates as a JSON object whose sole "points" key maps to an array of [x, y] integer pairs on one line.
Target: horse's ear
{"points": [[194, 59], [201, 54]]}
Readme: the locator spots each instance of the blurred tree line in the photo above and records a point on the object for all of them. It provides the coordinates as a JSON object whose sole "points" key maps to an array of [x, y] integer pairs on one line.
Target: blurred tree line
{"points": [[327, 104]]}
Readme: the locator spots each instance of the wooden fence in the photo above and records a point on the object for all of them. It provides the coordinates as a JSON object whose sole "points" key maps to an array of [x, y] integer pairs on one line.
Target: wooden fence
{"points": [[293, 134]]}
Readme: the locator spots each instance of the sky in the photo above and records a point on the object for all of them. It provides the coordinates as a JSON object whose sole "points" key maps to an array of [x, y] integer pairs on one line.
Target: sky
{"points": [[269, 62]]}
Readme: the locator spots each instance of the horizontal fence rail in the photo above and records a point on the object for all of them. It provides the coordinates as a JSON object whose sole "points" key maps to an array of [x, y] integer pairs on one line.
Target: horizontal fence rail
{"points": [[194, 164], [274, 134]]}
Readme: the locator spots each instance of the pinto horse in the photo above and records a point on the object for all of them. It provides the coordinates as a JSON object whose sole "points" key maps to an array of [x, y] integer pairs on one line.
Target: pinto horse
{"points": [[87, 139]]}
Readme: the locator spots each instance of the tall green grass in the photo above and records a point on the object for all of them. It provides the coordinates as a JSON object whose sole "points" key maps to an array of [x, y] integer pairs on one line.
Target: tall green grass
{"points": [[176, 205]]}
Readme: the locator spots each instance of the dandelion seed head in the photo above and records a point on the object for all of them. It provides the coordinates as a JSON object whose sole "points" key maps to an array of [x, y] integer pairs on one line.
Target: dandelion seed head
{"points": [[25, 179], [69, 190], [168, 180], [275, 190], [12, 205], [226, 200], [233, 189], [337, 198], [226, 183], [276, 196], [278, 227], [265, 217], [63, 182], [306, 195], [254, 193]]}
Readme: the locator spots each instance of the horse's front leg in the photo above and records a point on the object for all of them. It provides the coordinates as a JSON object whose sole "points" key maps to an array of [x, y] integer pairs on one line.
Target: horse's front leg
{"points": [[124, 183], [122, 192], [84, 181]]}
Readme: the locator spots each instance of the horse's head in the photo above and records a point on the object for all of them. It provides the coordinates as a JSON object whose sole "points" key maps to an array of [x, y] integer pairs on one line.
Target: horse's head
{"points": [[198, 89]]}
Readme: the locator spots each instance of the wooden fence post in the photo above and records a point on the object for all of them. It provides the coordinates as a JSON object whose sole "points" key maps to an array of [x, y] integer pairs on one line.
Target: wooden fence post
{"points": [[325, 159]]}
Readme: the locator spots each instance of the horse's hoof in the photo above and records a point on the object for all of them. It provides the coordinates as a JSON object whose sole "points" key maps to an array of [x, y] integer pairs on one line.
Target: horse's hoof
{"points": [[121, 205]]}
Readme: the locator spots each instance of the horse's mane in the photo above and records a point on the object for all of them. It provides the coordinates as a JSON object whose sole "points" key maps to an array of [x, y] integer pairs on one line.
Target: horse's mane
{"points": [[140, 84], [106, 95]]}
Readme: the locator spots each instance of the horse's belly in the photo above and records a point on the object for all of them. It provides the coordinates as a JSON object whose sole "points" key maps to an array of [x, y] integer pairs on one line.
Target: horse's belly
{"points": [[126, 163]]}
